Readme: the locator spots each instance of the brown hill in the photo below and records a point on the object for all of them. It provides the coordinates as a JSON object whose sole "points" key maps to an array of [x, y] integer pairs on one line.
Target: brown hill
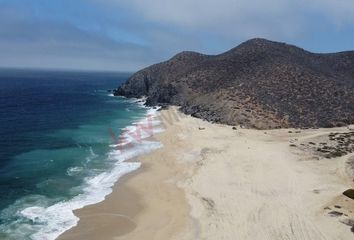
{"points": [[258, 84]]}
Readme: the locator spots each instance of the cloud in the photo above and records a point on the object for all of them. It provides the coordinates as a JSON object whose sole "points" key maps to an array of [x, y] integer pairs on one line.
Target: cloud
{"points": [[26, 41], [227, 17], [242, 18], [102, 39], [128, 35], [339, 11]]}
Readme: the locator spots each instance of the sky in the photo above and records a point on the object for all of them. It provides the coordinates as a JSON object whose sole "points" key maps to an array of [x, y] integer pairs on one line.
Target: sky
{"points": [[126, 35]]}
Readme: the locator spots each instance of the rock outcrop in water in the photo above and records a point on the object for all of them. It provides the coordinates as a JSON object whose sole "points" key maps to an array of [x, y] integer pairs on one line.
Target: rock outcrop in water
{"points": [[258, 84]]}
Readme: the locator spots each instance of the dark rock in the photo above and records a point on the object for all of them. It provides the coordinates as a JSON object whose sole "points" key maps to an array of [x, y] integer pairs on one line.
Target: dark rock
{"points": [[335, 213], [339, 144], [349, 193]]}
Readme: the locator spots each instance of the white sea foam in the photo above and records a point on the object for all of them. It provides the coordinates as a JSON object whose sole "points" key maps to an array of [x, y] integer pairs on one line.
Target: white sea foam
{"points": [[72, 171], [56, 219], [92, 156]]}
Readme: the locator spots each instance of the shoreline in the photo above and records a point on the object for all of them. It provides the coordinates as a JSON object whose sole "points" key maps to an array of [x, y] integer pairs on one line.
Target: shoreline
{"points": [[83, 230], [134, 140], [211, 182], [146, 192]]}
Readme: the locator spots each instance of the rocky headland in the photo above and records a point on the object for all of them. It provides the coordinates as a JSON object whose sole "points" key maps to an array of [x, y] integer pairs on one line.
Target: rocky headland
{"points": [[258, 84]]}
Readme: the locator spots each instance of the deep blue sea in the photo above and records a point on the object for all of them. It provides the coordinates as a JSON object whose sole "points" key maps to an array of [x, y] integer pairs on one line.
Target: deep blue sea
{"points": [[56, 149]]}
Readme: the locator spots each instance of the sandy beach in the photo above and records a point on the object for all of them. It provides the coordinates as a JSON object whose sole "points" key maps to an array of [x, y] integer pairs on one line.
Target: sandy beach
{"points": [[210, 181]]}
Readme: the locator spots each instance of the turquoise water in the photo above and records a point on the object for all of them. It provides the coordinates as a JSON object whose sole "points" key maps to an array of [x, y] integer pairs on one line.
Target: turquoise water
{"points": [[56, 150]]}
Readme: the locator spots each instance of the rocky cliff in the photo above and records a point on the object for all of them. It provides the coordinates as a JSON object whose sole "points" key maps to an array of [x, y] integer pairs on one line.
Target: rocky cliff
{"points": [[259, 84]]}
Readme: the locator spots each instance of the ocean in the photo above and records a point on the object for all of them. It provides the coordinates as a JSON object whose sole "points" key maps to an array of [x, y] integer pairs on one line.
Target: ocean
{"points": [[61, 146]]}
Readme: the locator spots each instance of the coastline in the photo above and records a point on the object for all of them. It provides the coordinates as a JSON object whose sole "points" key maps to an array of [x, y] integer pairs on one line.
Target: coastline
{"points": [[143, 196], [212, 182], [134, 140]]}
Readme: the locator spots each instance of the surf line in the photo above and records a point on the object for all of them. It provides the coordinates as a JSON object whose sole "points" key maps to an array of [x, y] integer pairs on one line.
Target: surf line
{"points": [[136, 135]]}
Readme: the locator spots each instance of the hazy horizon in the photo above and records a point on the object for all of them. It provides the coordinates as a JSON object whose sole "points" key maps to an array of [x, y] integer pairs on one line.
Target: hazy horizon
{"points": [[49, 69], [125, 36]]}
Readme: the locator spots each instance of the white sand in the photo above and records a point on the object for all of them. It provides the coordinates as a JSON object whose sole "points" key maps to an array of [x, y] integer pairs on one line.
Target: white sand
{"points": [[212, 182]]}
